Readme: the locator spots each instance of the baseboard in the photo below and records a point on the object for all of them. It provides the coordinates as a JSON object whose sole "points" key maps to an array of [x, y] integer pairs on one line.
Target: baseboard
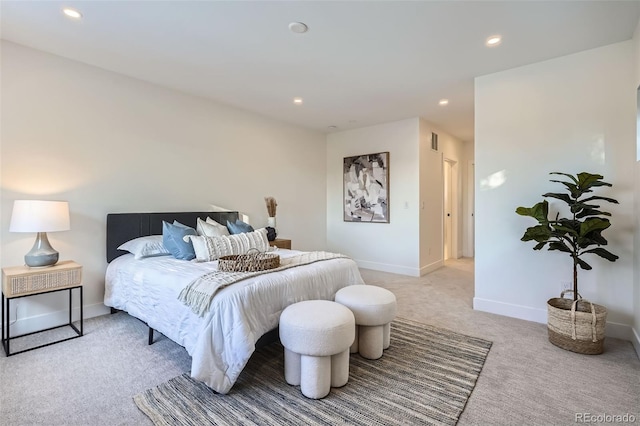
{"points": [[39, 322], [431, 267], [636, 341], [385, 267], [619, 331], [510, 310], [613, 329]]}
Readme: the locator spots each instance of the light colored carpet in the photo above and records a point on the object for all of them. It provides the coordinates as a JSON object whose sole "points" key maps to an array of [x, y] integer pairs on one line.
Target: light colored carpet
{"points": [[525, 379], [425, 377]]}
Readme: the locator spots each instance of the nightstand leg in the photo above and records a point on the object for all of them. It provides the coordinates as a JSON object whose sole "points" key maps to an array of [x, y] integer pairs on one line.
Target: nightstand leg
{"points": [[2, 315], [81, 313], [7, 349], [70, 305]]}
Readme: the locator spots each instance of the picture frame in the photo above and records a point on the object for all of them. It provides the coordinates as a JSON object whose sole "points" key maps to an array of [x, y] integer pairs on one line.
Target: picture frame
{"points": [[366, 188]]}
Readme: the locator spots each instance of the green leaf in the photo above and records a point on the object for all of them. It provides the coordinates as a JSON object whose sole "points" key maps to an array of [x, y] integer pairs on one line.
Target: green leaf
{"points": [[575, 192], [587, 180], [584, 265], [603, 253], [570, 223], [559, 245], [564, 230], [538, 233], [592, 224], [577, 207], [540, 245], [591, 212], [565, 174], [594, 238], [563, 197], [539, 211], [595, 197]]}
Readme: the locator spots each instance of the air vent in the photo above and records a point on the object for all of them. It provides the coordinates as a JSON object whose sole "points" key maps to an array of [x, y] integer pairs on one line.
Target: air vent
{"points": [[434, 141]]}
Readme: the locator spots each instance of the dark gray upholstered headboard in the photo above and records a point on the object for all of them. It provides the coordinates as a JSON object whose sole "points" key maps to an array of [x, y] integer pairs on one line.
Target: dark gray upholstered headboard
{"points": [[122, 227]]}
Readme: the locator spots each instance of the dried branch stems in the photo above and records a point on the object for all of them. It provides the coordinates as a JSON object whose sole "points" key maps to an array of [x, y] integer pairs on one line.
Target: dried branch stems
{"points": [[271, 206]]}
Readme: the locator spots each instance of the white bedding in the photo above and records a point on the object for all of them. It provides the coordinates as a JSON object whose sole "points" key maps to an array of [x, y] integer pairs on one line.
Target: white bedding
{"points": [[221, 342]]}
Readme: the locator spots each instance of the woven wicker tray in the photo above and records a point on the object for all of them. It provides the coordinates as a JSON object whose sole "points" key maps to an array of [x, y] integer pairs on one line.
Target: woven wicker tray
{"points": [[249, 262]]}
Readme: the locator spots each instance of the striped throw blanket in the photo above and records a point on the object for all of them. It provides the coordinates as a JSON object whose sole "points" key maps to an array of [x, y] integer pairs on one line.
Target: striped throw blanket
{"points": [[200, 292]]}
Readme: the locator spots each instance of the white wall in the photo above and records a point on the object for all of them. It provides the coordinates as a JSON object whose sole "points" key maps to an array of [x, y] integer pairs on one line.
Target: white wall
{"points": [[570, 114], [392, 247], [109, 143], [431, 201], [636, 276]]}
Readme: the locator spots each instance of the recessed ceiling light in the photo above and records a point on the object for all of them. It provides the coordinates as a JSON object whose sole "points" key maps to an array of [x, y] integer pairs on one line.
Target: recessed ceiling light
{"points": [[444, 102], [298, 27], [494, 40], [297, 101], [332, 127], [72, 13]]}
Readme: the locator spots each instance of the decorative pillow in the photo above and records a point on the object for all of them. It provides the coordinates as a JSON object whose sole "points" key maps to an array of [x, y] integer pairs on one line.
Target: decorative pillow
{"points": [[212, 248], [211, 228], [145, 247], [239, 227], [172, 238]]}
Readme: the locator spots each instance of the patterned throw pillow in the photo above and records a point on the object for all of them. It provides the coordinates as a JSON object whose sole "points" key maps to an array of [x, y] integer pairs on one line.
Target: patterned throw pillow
{"points": [[208, 249]]}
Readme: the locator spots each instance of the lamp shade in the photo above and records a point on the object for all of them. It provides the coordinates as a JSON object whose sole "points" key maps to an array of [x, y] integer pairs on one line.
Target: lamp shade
{"points": [[39, 216]]}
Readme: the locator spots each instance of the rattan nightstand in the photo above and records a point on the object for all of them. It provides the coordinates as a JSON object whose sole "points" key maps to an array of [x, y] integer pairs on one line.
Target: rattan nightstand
{"points": [[23, 281]]}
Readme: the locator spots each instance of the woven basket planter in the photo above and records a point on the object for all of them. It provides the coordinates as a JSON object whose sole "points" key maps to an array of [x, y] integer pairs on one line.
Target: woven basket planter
{"points": [[578, 329], [249, 262]]}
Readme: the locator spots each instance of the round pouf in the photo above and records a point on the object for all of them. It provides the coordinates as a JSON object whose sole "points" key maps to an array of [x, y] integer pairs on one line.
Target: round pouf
{"points": [[316, 336], [374, 308]]}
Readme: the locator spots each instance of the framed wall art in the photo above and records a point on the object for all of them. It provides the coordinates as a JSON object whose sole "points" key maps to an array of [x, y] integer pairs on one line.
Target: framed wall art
{"points": [[366, 188]]}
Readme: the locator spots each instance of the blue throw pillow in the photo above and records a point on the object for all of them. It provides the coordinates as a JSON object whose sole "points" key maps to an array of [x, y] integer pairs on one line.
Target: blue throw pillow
{"points": [[172, 235], [239, 227]]}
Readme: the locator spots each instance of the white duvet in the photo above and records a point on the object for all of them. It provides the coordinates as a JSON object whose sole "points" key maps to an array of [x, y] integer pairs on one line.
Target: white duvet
{"points": [[221, 342]]}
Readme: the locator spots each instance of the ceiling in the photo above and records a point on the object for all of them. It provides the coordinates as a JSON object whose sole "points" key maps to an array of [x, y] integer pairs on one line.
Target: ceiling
{"points": [[360, 63]]}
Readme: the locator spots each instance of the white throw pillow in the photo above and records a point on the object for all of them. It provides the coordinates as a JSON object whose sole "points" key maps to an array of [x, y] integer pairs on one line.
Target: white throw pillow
{"points": [[142, 247], [211, 228], [212, 248]]}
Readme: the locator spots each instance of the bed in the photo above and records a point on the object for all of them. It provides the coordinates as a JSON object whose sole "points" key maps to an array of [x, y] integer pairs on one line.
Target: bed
{"points": [[221, 340]]}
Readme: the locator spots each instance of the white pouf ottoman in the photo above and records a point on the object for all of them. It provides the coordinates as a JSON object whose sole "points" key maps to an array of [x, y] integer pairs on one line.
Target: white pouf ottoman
{"points": [[316, 336], [374, 308]]}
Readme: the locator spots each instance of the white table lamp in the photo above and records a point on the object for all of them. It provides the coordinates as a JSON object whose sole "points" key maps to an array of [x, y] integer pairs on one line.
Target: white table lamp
{"points": [[41, 217]]}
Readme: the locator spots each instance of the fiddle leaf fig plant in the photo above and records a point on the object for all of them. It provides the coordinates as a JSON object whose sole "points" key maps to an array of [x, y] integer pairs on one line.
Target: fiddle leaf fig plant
{"points": [[578, 233]]}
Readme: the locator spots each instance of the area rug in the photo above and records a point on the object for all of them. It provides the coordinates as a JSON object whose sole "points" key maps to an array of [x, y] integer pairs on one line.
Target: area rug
{"points": [[425, 377]]}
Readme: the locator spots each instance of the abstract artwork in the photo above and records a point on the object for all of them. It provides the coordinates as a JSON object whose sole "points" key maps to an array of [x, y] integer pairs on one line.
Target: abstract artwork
{"points": [[366, 188]]}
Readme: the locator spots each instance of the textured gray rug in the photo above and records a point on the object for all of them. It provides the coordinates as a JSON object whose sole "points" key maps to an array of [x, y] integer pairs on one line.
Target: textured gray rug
{"points": [[425, 377]]}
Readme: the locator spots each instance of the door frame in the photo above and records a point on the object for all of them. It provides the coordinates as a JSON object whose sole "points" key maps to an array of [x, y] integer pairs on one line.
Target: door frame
{"points": [[471, 219], [455, 206]]}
